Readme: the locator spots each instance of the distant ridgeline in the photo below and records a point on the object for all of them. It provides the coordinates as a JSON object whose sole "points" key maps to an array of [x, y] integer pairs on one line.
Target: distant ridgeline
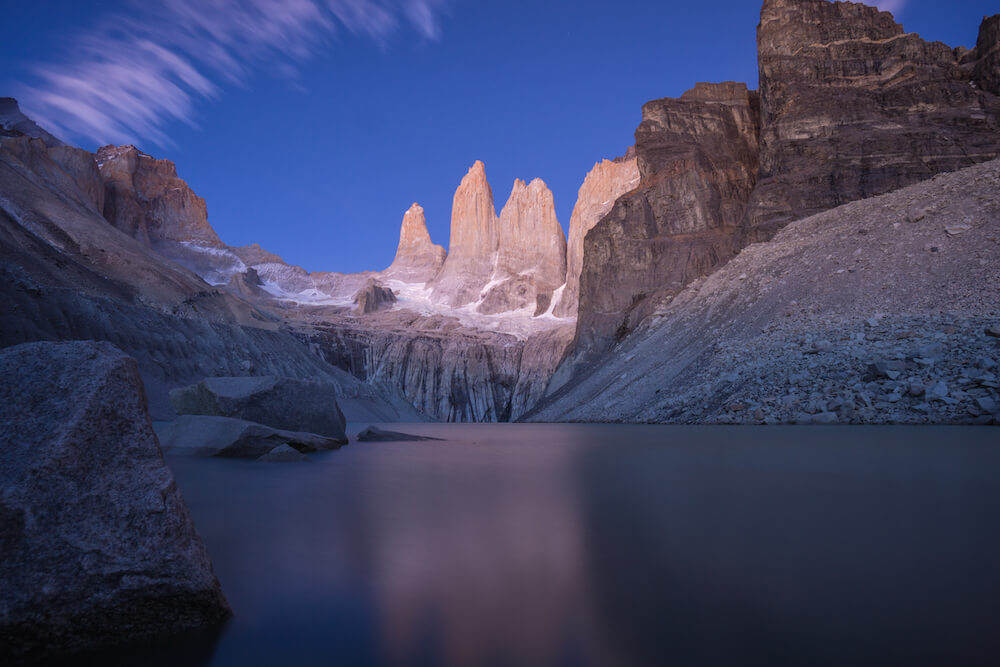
{"points": [[115, 246]]}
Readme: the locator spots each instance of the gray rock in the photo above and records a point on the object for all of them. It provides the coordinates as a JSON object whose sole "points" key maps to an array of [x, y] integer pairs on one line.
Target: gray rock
{"points": [[97, 545], [283, 454], [202, 435], [987, 404], [373, 297], [938, 390], [825, 418], [281, 403], [993, 331], [375, 434]]}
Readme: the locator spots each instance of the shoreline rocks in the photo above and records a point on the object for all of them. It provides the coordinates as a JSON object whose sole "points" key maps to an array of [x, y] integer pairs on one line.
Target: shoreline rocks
{"points": [[97, 545]]}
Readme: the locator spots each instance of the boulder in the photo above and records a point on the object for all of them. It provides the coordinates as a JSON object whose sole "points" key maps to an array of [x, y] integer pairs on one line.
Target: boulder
{"points": [[375, 434], [373, 297], [97, 545], [281, 403], [283, 454], [201, 435]]}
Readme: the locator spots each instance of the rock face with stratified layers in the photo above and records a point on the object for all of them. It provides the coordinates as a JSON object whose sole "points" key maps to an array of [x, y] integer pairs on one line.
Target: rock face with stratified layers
{"points": [[97, 545], [853, 106], [606, 182], [418, 259], [145, 199], [697, 159]]}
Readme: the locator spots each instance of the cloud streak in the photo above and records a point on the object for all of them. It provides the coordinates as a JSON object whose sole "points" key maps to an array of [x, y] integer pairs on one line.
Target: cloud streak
{"points": [[124, 82]]}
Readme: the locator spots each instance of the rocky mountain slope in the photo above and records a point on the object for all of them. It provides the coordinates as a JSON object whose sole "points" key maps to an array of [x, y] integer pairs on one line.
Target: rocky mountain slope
{"points": [[850, 106], [115, 246], [885, 310]]}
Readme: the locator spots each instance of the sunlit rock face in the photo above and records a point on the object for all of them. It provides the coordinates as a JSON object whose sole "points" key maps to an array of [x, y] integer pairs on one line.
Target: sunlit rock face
{"points": [[145, 199], [697, 159], [853, 106], [606, 182], [531, 254], [473, 241], [418, 259]]}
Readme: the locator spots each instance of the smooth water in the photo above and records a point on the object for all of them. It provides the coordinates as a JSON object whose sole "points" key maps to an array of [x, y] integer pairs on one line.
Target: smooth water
{"points": [[610, 545]]}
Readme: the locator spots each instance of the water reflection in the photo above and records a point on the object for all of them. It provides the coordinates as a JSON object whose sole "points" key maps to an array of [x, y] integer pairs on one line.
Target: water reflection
{"points": [[600, 545]]}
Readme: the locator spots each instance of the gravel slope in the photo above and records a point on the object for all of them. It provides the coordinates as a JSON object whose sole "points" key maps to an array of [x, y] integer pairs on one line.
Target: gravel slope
{"points": [[874, 312]]}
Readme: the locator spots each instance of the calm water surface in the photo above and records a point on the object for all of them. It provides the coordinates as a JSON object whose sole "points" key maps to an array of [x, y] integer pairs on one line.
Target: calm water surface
{"points": [[609, 545]]}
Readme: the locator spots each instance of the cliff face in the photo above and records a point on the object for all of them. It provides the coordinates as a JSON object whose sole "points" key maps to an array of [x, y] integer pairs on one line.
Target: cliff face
{"points": [[418, 259], [473, 241], [145, 199], [697, 160], [852, 106], [531, 252], [606, 182]]}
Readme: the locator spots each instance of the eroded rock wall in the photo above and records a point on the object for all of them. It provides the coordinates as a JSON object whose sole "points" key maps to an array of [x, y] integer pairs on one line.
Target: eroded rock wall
{"points": [[697, 160]]}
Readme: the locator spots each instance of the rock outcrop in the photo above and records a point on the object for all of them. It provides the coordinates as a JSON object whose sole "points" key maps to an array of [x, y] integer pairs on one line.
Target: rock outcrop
{"points": [[282, 403], [13, 123], [373, 297], [473, 243], [878, 311], [145, 199], [604, 184], [417, 259], [531, 252], [850, 106], [853, 106], [98, 547], [697, 159], [202, 435]]}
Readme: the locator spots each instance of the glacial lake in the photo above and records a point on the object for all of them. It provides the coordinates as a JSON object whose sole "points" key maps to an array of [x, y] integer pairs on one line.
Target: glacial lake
{"points": [[607, 545]]}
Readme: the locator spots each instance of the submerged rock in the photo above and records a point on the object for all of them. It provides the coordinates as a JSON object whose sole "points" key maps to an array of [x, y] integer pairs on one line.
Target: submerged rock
{"points": [[97, 545], [375, 434], [283, 454], [202, 435], [281, 403]]}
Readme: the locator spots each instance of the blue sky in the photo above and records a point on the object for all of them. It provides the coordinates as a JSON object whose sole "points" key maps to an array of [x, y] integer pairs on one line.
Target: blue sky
{"points": [[310, 126]]}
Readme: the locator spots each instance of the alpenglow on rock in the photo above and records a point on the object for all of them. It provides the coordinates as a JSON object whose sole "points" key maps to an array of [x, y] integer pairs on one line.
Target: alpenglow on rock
{"points": [[605, 183], [96, 545], [473, 242], [145, 199], [697, 160], [418, 259], [531, 251]]}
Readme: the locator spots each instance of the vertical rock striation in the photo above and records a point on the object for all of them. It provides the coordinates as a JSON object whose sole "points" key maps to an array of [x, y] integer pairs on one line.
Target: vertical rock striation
{"points": [[473, 243], [697, 160], [417, 259], [604, 184], [531, 252]]}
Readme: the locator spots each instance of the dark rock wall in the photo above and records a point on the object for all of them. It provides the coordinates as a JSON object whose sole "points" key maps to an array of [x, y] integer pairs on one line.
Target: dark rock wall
{"points": [[850, 106], [698, 163]]}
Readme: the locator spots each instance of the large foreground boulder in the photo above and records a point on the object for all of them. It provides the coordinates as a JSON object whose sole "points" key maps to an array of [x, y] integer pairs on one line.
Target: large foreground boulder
{"points": [[202, 435], [282, 403], [96, 545]]}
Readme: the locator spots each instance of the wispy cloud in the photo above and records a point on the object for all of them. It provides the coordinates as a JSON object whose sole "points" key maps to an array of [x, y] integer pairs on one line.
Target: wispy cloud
{"points": [[140, 70], [894, 6]]}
